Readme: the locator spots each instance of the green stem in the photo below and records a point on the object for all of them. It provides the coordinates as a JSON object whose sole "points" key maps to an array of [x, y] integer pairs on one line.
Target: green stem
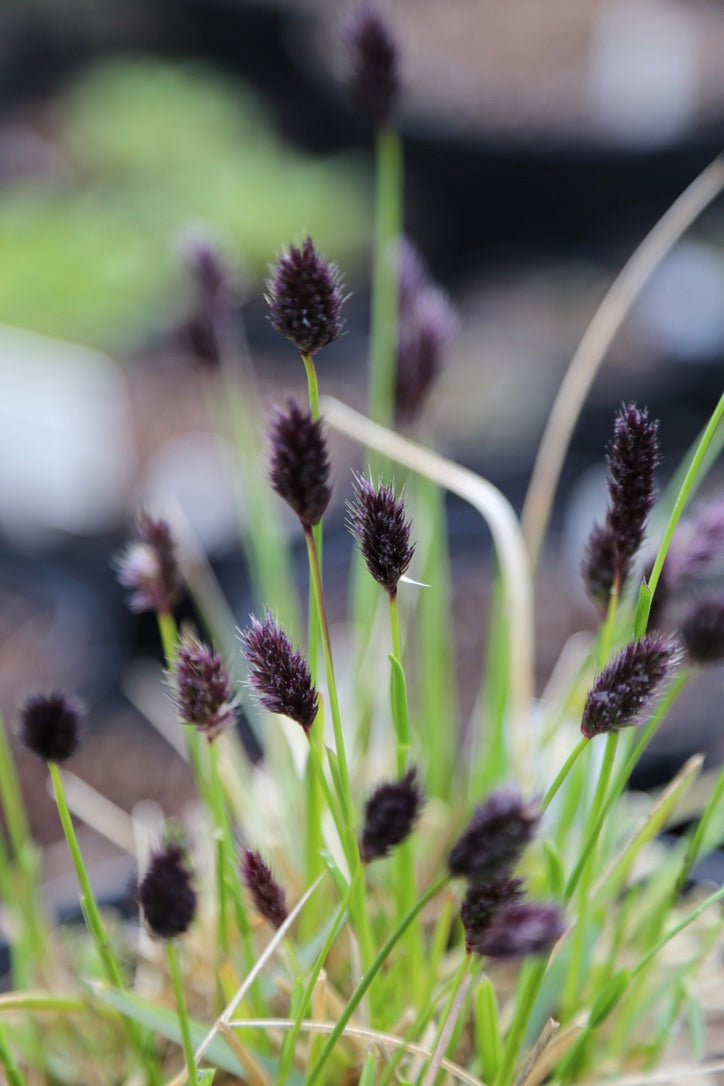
{"points": [[182, 1012], [563, 773], [15, 1076], [12, 798], [90, 910], [523, 1010], [697, 838], [688, 919], [687, 486], [385, 288], [401, 716], [370, 975]]}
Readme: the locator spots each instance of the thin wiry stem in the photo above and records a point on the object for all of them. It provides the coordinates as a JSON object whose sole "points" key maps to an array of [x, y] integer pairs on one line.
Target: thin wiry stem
{"points": [[596, 340]]}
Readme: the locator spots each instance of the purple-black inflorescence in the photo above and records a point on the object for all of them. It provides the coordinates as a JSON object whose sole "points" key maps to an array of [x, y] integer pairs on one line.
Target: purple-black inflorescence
{"points": [[214, 302], [279, 675], [266, 893], [305, 299], [299, 464], [632, 463], [496, 835], [203, 688], [482, 900], [165, 893], [520, 928], [624, 690], [427, 323], [390, 816], [372, 76], [702, 631], [50, 726], [382, 531], [148, 567]]}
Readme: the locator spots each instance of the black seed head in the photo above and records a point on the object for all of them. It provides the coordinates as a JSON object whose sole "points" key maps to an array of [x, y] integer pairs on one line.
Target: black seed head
{"points": [[280, 676], [148, 567], [203, 689], [390, 816], [165, 894], [267, 894], [378, 522], [598, 568], [625, 688], [299, 464], [520, 928], [483, 900], [305, 299], [373, 60], [427, 323], [50, 726], [497, 833], [702, 631]]}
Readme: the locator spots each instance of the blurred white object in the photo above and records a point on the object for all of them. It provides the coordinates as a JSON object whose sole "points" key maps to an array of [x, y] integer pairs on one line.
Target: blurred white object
{"points": [[643, 82], [66, 452], [681, 311]]}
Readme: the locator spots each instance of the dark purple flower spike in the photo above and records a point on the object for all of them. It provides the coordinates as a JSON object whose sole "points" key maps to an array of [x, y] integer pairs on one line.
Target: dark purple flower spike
{"points": [[626, 687], [299, 464], [390, 816], [267, 894], [50, 726], [496, 835], [305, 299], [203, 689], [702, 631], [518, 929], [165, 893], [632, 463], [378, 522], [148, 567], [372, 77], [279, 675]]}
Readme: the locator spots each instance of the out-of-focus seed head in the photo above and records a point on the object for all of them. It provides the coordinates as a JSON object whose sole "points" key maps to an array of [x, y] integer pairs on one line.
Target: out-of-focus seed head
{"points": [[625, 688], [427, 324], [267, 894], [279, 675], [50, 726], [216, 299], [520, 928], [148, 567], [598, 567], [305, 299], [372, 76], [203, 688], [165, 893], [483, 900], [697, 547], [377, 520], [496, 835], [299, 463], [632, 463], [702, 631], [390, 816]]}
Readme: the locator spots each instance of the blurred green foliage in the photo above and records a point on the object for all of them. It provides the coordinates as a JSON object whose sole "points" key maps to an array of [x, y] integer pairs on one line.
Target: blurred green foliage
{"points": [[153, 148]]}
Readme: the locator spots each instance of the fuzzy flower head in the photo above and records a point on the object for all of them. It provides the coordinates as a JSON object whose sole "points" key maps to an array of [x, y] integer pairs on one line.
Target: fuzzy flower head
{"points": [[203, 689], [279, 675], [299, 464], [305, 299], [50, 726], [390, 816], [702, 631], [632, 463], [372, 76], [215, 299], [496, 835], [427, 324], [518, 929], [625, 688], [148, 567], [165, 894], [483, 900], [266, 893], [377, 520]]}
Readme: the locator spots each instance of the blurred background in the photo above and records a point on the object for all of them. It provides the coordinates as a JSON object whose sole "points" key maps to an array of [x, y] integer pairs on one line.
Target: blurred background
{"points": [[541, 140]]}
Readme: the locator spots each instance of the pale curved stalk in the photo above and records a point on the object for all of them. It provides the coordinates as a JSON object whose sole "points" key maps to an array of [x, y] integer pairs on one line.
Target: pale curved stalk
{"points": [[596, 340], [383, 1040], [497, 512]]}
